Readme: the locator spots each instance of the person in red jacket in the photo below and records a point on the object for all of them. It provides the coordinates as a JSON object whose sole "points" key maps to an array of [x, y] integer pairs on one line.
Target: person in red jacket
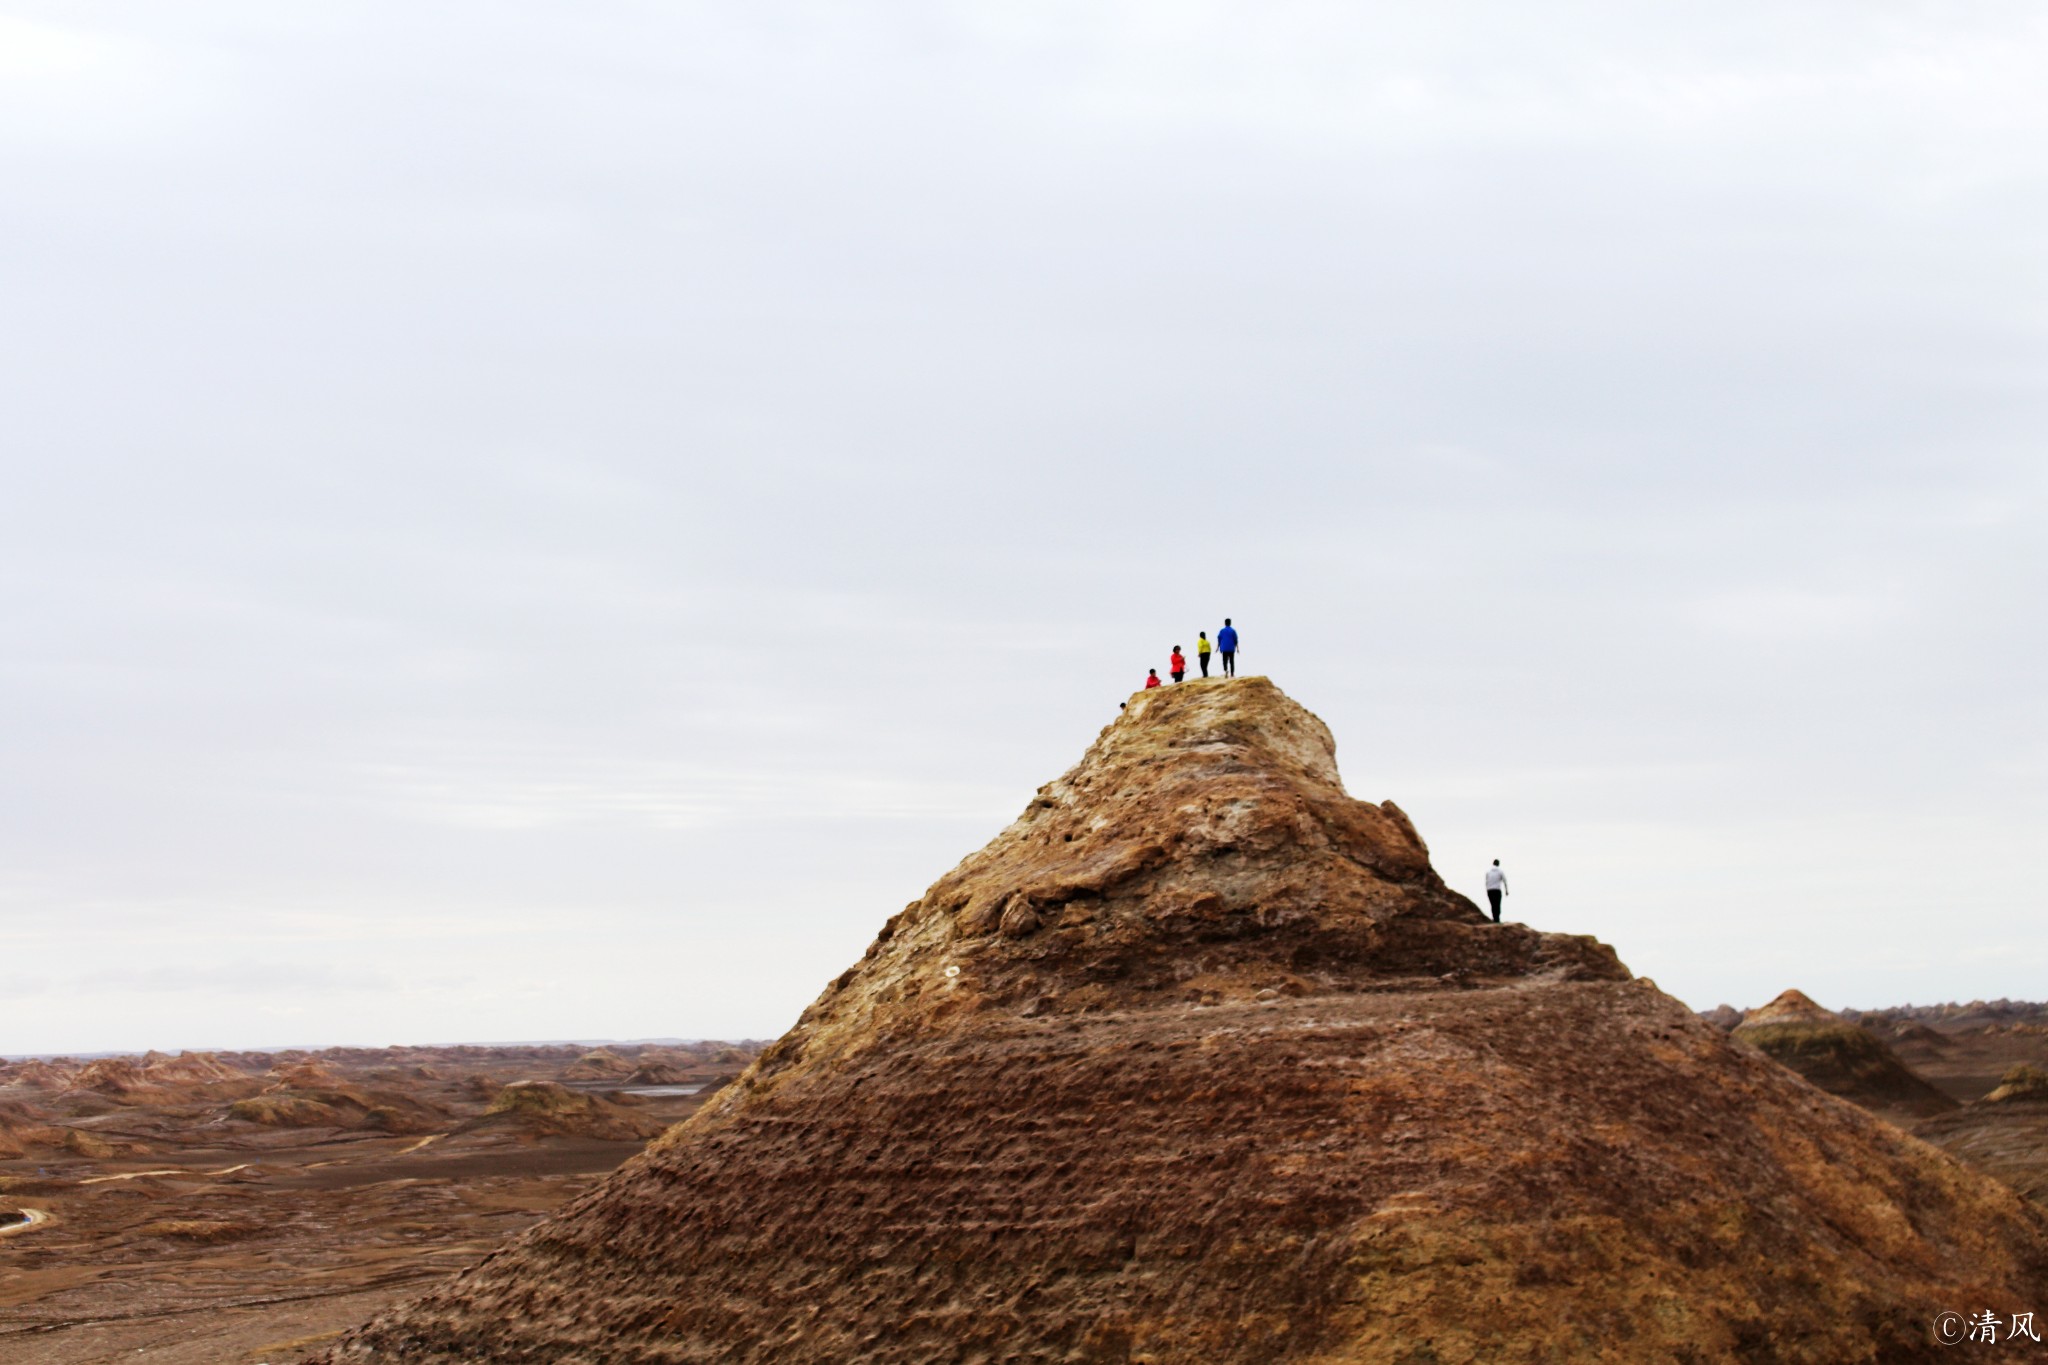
{"points": [[1176, 665], [1151, 677]]}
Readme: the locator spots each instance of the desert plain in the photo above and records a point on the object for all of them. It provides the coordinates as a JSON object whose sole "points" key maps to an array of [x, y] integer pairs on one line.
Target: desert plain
{"points": [[230, 1207]]}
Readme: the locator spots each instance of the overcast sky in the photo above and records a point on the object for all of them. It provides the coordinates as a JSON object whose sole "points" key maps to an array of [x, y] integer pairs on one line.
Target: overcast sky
{"points": [[553, 521]]}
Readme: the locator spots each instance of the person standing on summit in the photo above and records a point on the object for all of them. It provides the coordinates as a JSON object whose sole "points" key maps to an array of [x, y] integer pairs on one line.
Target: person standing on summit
{"points": [[1226, 644], [1177, 664], [1202, 650], [1496, 887]]}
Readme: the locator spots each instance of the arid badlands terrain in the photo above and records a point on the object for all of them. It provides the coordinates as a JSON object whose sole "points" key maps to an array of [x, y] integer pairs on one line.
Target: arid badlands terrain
{"points": [[233, 1207], [1198, 1062]]}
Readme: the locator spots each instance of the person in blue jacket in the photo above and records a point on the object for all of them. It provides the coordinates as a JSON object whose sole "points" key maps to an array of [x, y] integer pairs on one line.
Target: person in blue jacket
{"points": [[1226, 645]]}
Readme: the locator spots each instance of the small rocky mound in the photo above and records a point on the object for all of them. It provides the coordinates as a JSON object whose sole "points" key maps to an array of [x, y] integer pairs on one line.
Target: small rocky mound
{"points": [[304, 1075], [36, 1074], [599, 1065], [17, 1128], [284, 1110], [657, 1073], [80, 1142], [1200, 1063], [1839, 1057], [1723, 1017], [334, 1105], [189, 1069], [156, 1078], [1898, 1030], [117, 1077], [2022, 1084], [24, 1131], [544, 1108]]}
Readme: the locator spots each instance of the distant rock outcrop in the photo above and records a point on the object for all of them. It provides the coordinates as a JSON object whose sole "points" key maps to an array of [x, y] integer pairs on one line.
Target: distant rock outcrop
{"points": [[600, 1065], [544, 1107], [116, 1076], [189, 1069], [304, 1075], [2023, 1084], [80, 1142], [156, 1078], [39, 1075], [1200, 1063], [1723, 1017], [25, 1131], [308, 1095], [1839, 1057], [2019, 1016], [16, 1131]]}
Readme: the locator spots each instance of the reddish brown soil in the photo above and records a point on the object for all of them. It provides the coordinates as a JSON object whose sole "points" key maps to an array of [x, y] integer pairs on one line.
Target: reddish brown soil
{"points": [[208, 1238]]}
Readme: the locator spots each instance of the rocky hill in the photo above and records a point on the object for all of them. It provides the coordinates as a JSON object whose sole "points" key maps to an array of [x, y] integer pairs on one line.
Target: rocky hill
{"points": [[2020, 1085], [546, 1108], [1839, 1057], [1199, 1061], [307, 1095]]}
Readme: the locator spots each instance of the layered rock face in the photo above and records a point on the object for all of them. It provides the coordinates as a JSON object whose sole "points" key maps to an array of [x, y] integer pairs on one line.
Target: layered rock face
{"points": [[2021, 1084], [1199, 1061]]}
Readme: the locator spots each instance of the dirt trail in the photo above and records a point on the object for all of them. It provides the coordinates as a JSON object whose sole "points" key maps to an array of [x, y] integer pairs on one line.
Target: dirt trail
{"points": [[170, 1171]]}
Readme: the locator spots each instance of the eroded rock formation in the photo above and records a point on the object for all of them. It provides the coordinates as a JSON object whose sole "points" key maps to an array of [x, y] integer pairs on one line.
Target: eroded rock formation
{"points": [[2021, 1084], [1200, 1062], [1840, 1057], [551, 1109]]}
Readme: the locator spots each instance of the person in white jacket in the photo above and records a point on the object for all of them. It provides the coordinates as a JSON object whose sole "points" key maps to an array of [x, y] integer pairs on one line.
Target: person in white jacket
{"points": [[1496, 887]]}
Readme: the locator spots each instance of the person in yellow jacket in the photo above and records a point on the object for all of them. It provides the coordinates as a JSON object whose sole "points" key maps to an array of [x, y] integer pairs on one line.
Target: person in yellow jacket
{"points": [[1202, 651]]}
